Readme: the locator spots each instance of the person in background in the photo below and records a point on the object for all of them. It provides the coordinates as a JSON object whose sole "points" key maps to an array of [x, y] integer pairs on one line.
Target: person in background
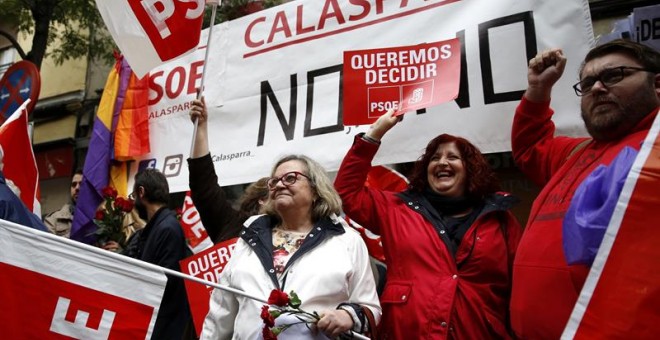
{"points": [[449, 239], [220, 219], [11, 207], [59, 221], [161, 242], [619, 90], [301, 245]]}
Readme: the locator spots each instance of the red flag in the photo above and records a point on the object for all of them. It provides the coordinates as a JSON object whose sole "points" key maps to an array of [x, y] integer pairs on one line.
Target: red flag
{"points": [[55, 288], [152, 32], [623, 286], [19, 164], [196, 236]]}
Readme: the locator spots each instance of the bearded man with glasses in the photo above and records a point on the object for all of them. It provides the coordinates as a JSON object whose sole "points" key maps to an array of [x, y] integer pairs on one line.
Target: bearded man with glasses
{"points": [[619, 89]]}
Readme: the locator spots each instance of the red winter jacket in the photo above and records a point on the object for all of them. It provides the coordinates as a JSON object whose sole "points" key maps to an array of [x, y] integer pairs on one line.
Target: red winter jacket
{"points": [[429, 294], [545, 288]]}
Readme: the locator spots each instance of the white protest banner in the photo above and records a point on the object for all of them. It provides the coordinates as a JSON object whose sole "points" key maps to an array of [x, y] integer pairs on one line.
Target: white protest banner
{"points": [[274, 80], [206, 265], [647, 25], [642, 25], [403, 78], [52, 288]]}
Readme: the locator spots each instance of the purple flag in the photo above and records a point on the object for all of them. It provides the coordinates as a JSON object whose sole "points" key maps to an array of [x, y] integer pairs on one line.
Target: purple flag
{"points": [[96, 172], [592, 207]]}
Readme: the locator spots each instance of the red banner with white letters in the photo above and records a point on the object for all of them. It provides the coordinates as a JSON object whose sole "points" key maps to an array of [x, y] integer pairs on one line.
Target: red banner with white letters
{"points": [[401, 78], [193, 229], [55, 288], [58, 309], [206, 265], [151, 32]]}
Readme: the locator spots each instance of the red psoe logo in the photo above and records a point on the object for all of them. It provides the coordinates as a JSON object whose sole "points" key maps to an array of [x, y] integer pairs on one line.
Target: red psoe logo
{"points": [[382, 99], [173, 26]]}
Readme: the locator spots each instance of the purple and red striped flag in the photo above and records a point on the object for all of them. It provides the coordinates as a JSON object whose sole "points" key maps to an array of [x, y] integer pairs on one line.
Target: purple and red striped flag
{"points": [[621, 296]]}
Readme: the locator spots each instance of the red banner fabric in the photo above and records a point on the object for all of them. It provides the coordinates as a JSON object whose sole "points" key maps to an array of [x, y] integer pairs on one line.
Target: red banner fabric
{"points": [[45, 307], [173, 27], [55, 288], [193, 229], [19, 164], [206, 265]]}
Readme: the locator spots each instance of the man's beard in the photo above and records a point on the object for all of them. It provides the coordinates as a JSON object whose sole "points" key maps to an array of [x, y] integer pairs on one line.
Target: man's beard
{"points": [[620, 118], [72, 205], [141, 210]]}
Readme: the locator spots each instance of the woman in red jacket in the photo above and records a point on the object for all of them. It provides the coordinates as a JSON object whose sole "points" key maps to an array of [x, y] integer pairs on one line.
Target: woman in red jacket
{"points": [[449, 239]]}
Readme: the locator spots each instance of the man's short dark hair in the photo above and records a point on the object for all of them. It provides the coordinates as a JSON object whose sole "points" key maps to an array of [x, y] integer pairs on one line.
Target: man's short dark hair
{"points": [[155, 186], [78, 172], [646, 56]]}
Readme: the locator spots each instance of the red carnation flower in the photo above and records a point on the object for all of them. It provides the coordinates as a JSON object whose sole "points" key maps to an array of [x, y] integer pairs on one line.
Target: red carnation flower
{"points": [[100, 214], [268, 334], [288, 304], [109, 192], [124, 204], [128, 205], [278, 298], [268, 319]]}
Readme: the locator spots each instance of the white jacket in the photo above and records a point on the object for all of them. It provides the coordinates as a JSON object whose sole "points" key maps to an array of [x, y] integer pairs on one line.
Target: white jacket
{"points": [[335, 269]]}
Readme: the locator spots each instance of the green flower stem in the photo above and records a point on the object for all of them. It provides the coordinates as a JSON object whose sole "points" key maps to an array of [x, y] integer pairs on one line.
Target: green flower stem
{"points": [[297, 311]]}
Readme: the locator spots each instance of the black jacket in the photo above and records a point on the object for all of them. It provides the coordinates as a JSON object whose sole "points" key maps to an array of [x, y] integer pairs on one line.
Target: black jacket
{"points": [[220, 219], [162, 243]]}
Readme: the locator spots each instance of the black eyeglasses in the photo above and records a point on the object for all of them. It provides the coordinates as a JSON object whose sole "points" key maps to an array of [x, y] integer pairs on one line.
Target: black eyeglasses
{"points": [[132, 196], [607, 77], [287, 179]]}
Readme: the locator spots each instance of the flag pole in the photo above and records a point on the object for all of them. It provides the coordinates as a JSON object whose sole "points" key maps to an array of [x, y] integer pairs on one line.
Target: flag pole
{"points": [[211, 284], [47, 238], [200, 90], [227, 288]]}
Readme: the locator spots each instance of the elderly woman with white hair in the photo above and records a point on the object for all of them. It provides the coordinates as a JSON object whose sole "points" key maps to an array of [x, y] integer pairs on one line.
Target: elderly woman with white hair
{"points": [[299, 244]]}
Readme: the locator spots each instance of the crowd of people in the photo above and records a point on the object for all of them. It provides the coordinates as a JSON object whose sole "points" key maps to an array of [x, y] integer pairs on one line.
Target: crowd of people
{"points": [[459, 265]]}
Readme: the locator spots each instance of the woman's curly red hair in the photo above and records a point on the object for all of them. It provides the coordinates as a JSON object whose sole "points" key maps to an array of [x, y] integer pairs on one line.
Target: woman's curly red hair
{"points": [[480, 178]]}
